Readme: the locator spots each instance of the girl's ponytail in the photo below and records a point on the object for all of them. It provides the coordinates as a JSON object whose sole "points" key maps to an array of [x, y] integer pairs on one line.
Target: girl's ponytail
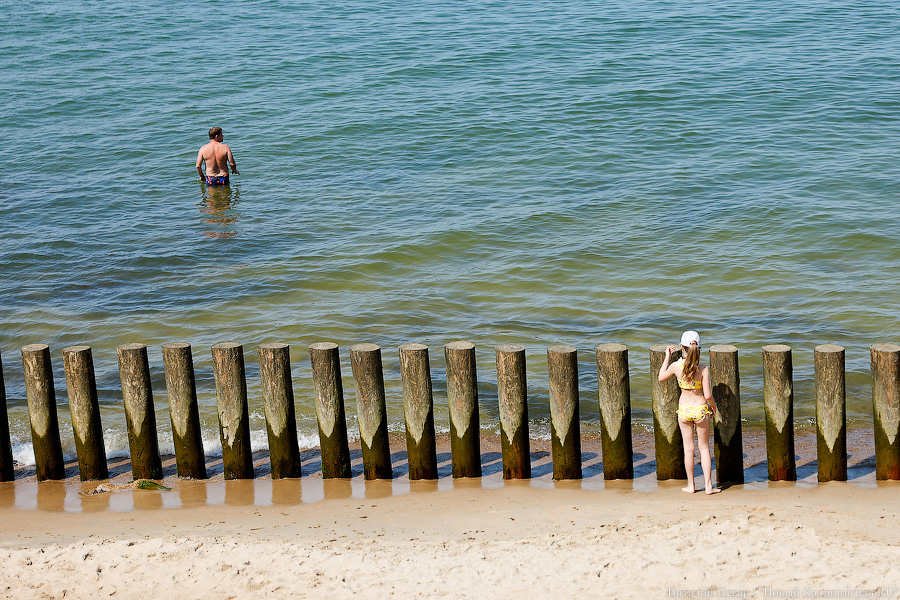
{"points": [[691, 361]]}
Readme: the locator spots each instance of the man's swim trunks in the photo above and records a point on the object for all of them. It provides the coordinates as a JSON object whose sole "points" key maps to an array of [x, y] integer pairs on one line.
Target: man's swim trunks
{"points": [[217, 180]]}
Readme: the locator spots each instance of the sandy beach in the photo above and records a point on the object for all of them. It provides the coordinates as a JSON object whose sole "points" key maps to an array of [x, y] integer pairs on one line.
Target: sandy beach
{"points": [[476, 538]]}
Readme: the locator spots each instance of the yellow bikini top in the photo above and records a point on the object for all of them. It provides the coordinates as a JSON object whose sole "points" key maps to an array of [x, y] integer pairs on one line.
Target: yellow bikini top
{"points": [[696, 384]]}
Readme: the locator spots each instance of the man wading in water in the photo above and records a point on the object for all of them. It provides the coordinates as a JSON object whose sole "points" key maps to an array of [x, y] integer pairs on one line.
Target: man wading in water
{"points": [[217, 156]]}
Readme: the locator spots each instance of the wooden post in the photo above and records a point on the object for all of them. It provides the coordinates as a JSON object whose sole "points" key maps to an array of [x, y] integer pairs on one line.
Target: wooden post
{"points": [[84, 407], [329, 394], [886, 407], [725, 381], [234, 419], [140, 415], [183, 410], [778, 397], [418, 408], [513, 401], [462, 397], [365, 361], [831, 423], [615, 411], [7, 468], [278, 397], [565, 425], [667, 433], [48, 457]]}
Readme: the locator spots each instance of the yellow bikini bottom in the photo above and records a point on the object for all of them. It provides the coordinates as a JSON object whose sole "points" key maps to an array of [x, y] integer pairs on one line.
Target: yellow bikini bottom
{"points": [[694, 413]]}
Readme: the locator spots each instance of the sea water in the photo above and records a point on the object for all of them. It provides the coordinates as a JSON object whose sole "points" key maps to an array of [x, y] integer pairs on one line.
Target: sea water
{"points": [[497, 171]]}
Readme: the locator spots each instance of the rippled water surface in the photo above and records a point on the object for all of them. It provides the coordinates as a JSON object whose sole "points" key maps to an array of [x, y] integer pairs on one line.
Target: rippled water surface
{"points": [[501, 171]]}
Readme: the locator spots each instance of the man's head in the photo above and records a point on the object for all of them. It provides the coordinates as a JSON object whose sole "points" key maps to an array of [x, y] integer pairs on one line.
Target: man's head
{"points": [[215, 132]]}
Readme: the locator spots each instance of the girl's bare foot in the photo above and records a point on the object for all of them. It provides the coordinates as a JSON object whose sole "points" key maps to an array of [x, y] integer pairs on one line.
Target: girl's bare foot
{"points": [[711, 490], [689, 489]]}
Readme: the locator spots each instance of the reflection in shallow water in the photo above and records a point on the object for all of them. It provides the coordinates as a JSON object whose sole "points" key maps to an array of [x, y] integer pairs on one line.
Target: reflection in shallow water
{"points": [[218, 209], [240, 492], [67, 496], [287, 492], [192, 493], [147, 499]]}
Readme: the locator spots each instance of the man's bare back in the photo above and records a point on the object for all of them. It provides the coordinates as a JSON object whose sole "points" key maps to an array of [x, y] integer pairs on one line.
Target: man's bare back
{"points": [[217, 157]]}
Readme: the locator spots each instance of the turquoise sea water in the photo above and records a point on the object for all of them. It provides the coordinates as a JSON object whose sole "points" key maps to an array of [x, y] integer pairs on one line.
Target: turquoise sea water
{"points": [[533, 172]]}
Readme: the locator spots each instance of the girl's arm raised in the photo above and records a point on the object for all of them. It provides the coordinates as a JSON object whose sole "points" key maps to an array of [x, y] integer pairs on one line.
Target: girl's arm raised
{"points": [[665, 369]]}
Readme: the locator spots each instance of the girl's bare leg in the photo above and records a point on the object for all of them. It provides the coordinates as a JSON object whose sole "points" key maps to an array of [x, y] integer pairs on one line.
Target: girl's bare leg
{"points": [[705, 460], [687, 436]]}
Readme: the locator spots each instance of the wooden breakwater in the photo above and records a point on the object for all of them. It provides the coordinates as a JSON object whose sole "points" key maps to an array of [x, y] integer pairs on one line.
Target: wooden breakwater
{"points": [[462, 394]]}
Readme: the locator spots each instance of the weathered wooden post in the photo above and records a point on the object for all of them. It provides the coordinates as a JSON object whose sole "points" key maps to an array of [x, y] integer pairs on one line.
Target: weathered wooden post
{"points": [[513, 400], [462, 397], [140, 415], [667, 433], [886, 407], [329, 394], [565, 426], [84, 407], [831, 423], [7, 468], [615, 411], [725, 382], [234, 418], [778, 397], [48, 457], [183, 410], [365, 361], [278, 397], [418, 408]]}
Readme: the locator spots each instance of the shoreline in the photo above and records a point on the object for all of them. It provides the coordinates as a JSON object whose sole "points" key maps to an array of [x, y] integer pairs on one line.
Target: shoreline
{"points": [[70, 494]]}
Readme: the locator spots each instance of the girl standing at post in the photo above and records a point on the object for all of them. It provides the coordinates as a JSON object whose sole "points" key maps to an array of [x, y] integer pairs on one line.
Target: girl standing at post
{"points": [[695, 406]]}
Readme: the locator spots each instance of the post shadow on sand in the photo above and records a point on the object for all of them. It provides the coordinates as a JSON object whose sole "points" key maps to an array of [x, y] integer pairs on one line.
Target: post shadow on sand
{"points": [[356, 464], [399, 464], [445, 464], [310, 461], [170, 468], [857, 470], [543, 467], [644, 464], [808, 469], [864, 467], [491, 463], [119, 466], [214, 466], [591, 465], [71, 468], [757, 472]]}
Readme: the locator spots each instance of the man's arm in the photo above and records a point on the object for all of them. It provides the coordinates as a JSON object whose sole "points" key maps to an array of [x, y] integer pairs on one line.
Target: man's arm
{"points": [[233, 164], [200, 162]]}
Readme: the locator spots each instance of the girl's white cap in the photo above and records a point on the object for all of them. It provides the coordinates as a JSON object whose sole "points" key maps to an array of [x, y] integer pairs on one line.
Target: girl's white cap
{"points": [[690, 337]]}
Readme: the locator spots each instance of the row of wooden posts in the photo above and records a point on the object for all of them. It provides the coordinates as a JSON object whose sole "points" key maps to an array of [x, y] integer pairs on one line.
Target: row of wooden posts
{"points": [[462, 395]]}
